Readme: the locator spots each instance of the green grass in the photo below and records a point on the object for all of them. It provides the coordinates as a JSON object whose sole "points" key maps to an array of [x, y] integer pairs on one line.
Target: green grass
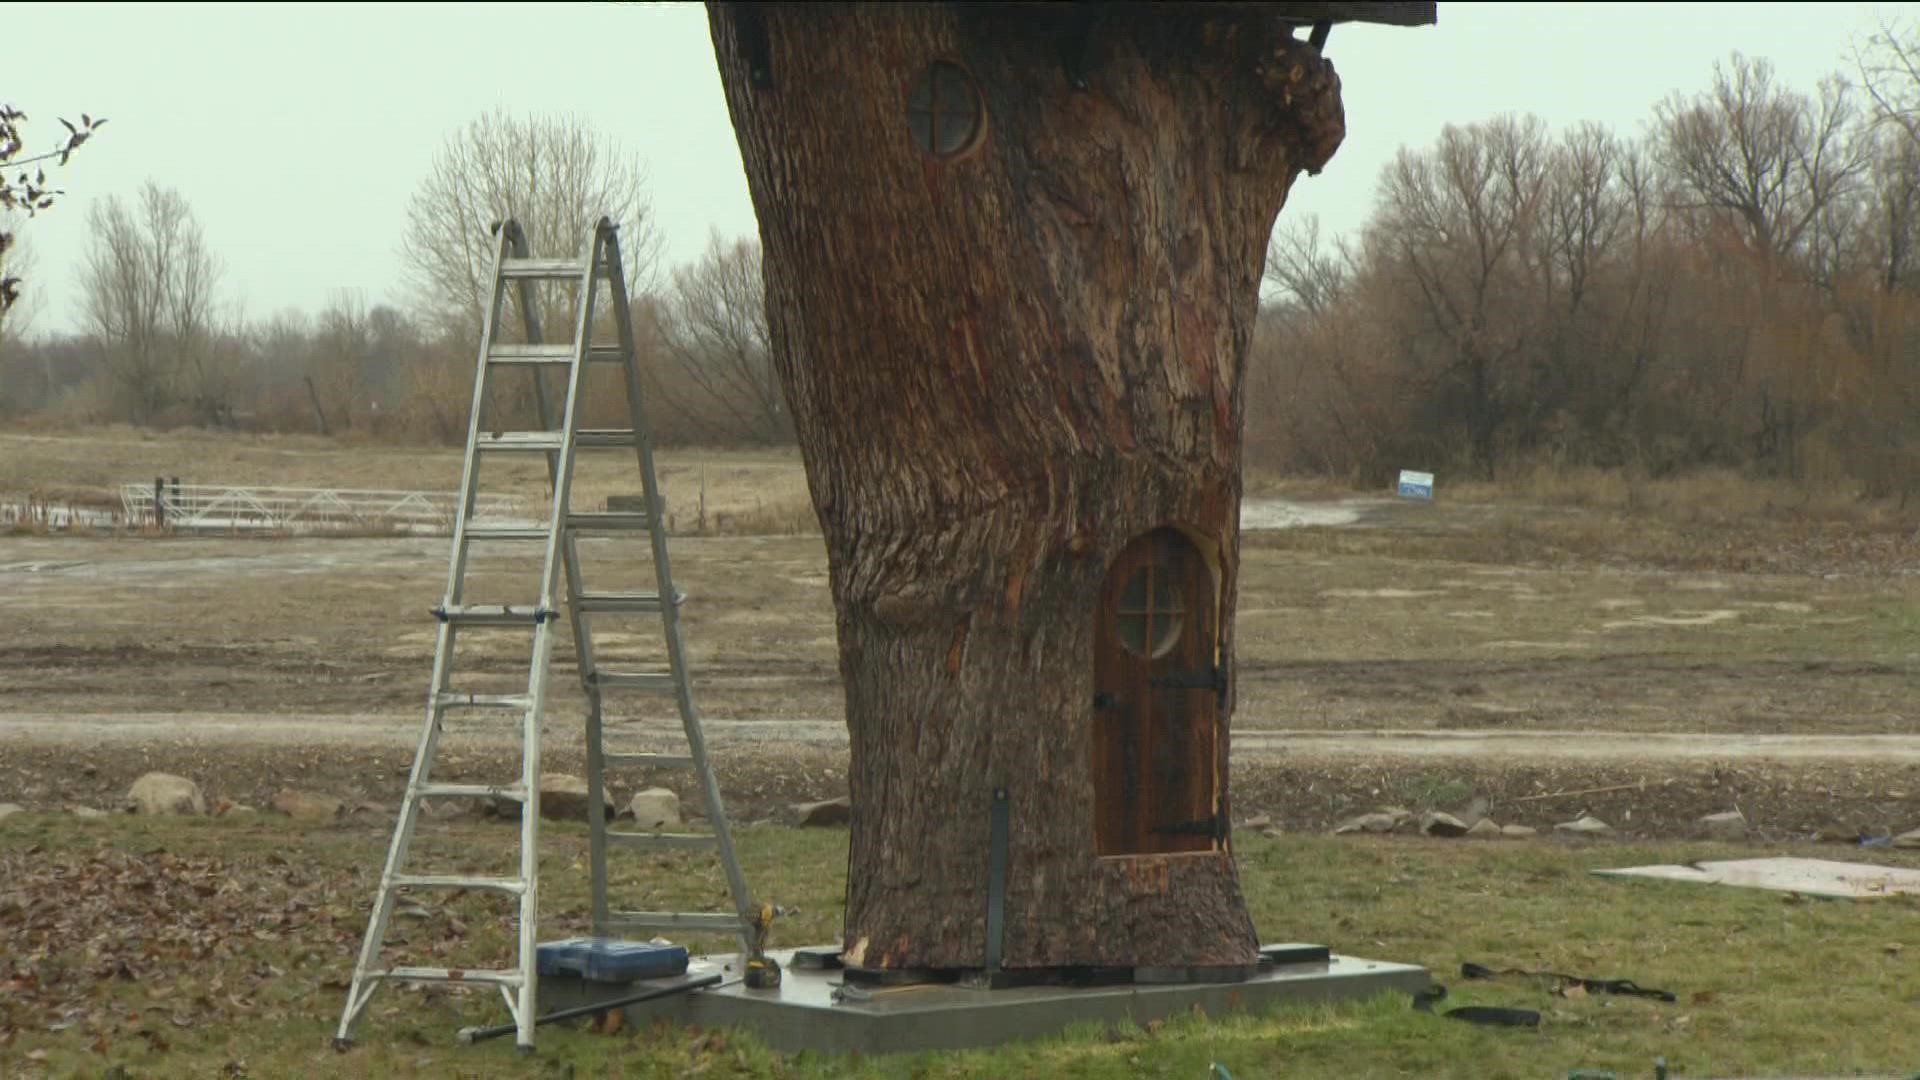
{"points": [[1767, 983]]}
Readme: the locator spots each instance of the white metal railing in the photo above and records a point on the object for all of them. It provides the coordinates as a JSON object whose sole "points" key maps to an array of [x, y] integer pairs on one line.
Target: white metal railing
{"points": [[235, 508]]}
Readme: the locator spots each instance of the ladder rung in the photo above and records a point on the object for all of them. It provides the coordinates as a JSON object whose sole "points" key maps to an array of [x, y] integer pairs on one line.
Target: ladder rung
{"points": [[561, 355], [640, 603], [472, 791], [662, 840], [703, 921], [545, 441], [506, 532], [511, 886], [542, 269], [609, 523], [452, 975], [509, 702], [492, 614], [655, 761], [634, 680]]}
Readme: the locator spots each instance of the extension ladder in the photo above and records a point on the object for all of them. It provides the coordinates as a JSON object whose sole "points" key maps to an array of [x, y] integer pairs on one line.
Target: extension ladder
{"points": [[559, 536]]}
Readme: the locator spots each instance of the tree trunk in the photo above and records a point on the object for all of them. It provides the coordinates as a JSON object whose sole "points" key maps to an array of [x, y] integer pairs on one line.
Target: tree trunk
{"points": [[1008, 366]]}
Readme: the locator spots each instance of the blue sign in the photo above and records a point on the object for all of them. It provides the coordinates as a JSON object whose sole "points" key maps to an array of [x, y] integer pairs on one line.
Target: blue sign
{"points": [[1416, 485]]}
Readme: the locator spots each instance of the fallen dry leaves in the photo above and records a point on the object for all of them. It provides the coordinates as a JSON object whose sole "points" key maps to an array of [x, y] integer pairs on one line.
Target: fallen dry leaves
{"points": [[142, 946]]}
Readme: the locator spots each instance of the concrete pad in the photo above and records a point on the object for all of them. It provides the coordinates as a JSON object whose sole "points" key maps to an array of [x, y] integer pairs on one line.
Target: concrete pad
{"points": [[810, 1011], [1810, 877]]}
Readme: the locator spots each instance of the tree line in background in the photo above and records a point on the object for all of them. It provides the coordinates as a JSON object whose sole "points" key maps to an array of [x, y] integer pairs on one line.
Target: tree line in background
{"points": [[160, 347], [1738, 286]]}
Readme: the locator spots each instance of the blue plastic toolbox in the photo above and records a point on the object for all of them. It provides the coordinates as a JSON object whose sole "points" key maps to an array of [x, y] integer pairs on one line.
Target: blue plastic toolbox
{"points": [[606, 960]]}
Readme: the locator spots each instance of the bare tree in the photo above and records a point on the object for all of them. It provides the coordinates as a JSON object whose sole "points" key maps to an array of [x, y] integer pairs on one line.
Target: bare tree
{"points": [[1460, 226], [713, 323], [342, 348], [1773, 158], [555, 175], [1889, 68], [148, 286], [1305, 268]]}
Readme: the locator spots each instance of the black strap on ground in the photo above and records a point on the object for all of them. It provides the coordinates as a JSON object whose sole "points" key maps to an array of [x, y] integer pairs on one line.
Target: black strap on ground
{"points": [[1482, 1015], [1624, 987], [474, 1035]]}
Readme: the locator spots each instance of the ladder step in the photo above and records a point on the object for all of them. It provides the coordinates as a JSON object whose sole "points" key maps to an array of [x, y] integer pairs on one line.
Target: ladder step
{"points": [[546, 441], [472, 791], [452, 975], [543, 269], [689, 921], [609, 523], [653, 761], [492, 614], [511, 886], [506, 702], [640, 603], [635, 680], [662, 840], [506, 532], [560, 355], [579, 523]]}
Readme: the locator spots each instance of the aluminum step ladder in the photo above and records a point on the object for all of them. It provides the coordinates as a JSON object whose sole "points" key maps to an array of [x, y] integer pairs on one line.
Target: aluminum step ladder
{"points": [[559, 536]]}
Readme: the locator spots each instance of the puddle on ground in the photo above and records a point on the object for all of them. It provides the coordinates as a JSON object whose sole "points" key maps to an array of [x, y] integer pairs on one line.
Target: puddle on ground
{"points": [[1683, 618], [1263, 514], [1381, 594]]}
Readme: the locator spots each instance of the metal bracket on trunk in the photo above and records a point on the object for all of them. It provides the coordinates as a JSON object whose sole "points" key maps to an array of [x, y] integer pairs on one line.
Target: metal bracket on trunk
{"points": [[1209, 678], [751, 37], [1214, 826], [996, 881]]}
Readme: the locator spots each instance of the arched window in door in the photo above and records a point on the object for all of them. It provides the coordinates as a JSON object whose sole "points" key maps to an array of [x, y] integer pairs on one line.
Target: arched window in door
{"points": [[1156, 701]]}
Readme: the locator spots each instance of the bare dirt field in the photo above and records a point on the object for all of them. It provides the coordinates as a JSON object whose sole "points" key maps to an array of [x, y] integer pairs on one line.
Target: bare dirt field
{"points": [[1513, 648]]}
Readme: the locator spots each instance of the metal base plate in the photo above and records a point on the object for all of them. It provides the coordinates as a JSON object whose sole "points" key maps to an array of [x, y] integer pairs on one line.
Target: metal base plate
{"points": [[810, 1010]]}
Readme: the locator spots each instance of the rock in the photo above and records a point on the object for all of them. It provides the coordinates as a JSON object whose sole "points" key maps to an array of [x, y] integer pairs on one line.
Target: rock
{"points": [[305, 806], [1518, 832], [441, 809], [1257, 821], [655, 808], [1485, 829], [819, 814], [1379, 822], [563, 797], [1438, 824], [8, 809], [1731, 825], [1473, 813], [88, 812], [1585, 825], [1904, 840], [159, 793]]}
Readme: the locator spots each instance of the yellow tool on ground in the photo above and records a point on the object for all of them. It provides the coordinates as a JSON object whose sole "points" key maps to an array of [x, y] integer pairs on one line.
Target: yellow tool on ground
{"points": [[763, 973]]}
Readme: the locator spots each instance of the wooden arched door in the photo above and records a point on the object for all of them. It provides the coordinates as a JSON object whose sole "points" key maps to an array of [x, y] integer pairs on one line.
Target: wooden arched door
{"points": [[1157, 697]]}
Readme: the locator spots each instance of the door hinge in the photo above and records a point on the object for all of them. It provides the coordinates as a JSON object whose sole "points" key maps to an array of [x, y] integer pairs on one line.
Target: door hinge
{"points": [[1214, 826], [1208, 678]]}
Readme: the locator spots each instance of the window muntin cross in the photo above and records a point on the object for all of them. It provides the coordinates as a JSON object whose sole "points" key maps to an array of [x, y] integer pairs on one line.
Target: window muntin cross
{"points": [[1151, 612], [943, 110]]}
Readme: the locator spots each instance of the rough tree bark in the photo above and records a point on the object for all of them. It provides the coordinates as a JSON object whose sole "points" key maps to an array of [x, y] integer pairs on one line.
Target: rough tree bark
{"points": [[1004, 366]]}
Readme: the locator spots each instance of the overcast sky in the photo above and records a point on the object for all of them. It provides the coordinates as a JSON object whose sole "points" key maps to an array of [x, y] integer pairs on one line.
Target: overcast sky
{"points": [[297, 132]]}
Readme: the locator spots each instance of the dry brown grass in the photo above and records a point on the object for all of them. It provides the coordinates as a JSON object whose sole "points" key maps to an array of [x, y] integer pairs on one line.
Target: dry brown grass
{"points": [[742, 491]]}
